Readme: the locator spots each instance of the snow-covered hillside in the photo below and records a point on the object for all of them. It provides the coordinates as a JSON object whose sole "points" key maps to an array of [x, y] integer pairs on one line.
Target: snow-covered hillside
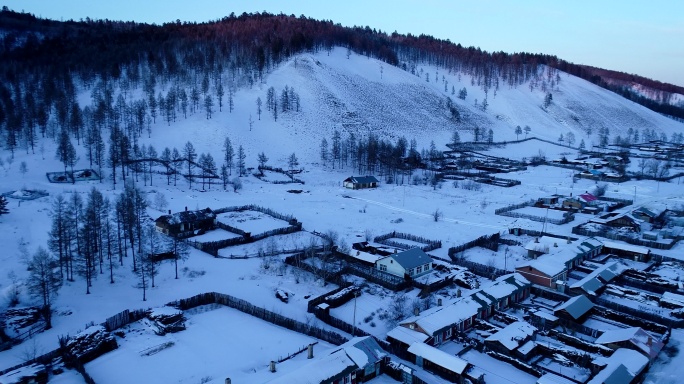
{"points": [[363, 95]]}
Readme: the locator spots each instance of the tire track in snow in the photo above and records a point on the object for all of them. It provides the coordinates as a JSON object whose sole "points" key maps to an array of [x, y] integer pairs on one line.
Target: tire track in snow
{"points": [[429, 216]]}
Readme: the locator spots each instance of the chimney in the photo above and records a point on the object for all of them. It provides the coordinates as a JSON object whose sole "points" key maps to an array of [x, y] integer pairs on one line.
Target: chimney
{"points": [[536, 239], [458, 292], [395, 250], [555, 245], [416, 311], [228, 380], [439, 302], [569, 240], [271, 367], [186, 208], [310, 351], [169, 211], [649, 342]]}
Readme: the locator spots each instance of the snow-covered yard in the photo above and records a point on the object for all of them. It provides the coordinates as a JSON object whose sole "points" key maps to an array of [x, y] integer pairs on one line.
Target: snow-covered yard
{"points": [[219, 342], [251, 221], [215, 235]]}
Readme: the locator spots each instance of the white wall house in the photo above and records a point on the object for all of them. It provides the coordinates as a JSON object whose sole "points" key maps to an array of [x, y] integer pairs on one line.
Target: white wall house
{"points": [[413, 263]]}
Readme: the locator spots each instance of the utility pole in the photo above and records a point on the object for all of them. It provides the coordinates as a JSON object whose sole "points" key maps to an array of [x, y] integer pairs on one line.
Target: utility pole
{"points": [[354, 319]]}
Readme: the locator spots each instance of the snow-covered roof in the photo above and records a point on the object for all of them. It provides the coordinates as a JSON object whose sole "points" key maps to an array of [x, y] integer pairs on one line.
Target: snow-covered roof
{"points": [[441, 358], [434, 321], [513, 335], [617, 335], [362, 179], [673, 298], [363, 350], [544, 244], [187, 216], [352, 355], [621, 367], [438, 318], [550, 378], [406, 335], [365, 256], [318, 370], [646, 343], [627, 247], [505, 285], [576, 306], [607, 272], [412, 258], [545, 315], [551, 264]]}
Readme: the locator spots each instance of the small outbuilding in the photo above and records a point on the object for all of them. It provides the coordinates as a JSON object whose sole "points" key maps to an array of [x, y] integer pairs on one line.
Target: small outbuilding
{"points": [[186, 223], [360, 182]]}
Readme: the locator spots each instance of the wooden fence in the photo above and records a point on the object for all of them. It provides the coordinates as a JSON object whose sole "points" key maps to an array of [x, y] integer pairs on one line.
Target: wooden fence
{"points": [[261, 313], [387, 280], [430, 245], [490, 242]]}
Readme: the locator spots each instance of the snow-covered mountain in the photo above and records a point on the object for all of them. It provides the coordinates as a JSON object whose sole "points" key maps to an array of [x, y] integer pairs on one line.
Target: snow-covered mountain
{"points": [[361, 95]]}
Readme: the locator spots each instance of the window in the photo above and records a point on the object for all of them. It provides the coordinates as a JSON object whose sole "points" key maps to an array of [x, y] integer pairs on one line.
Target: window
{"points": [[427, 266], [419, 269], [383, 267], [410, 272]]}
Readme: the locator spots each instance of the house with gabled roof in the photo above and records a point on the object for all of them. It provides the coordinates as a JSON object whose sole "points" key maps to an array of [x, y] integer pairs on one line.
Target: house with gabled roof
{"points": [[618, 220], [355, 361], [624, 366], [594, 283], [408, 264], [575, 310], [632, 338], [186, 223], [442, 322], [360, 182], [553, 257], [448, 366], [508, 339]]}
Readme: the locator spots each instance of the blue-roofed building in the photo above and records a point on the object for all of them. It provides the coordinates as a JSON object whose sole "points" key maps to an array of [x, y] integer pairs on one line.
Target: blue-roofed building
{"points": [[411, 263], [360, 182]]}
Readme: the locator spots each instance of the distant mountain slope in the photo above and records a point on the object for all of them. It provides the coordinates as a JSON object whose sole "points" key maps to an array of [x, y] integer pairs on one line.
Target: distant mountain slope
{"points": [[352, 95]]}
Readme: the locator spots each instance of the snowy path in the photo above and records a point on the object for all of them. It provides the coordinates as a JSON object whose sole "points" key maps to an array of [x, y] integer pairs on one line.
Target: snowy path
{"points": [[427, 215]]}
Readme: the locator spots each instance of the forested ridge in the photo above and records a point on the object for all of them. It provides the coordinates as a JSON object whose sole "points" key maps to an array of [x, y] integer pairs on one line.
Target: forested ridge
{"points": [[250, 44]]}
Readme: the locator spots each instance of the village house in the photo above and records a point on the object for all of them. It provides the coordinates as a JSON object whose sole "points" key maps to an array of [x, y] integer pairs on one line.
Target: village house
{"points": [[624, 366], [552, 258], [406, 264], [360, 182], [441, 323], [627, 251], [575, 310], [593, 284], [511, 338], [618, 220], [449, 367], [632, 338], [356, 361], [186, 223]]}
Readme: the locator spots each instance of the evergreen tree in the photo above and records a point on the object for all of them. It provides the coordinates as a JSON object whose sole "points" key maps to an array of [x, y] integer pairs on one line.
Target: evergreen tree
{"points": [[44, 282], [190, 155], [3, 205], [241, 156]]}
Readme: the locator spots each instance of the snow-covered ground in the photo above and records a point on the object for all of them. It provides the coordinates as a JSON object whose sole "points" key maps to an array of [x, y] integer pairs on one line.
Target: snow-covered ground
{"points": [[337, 93], [219, 342]]}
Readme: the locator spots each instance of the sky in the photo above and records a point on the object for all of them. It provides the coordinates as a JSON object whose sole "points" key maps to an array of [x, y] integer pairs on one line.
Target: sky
{"points": [[633, 36]]}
